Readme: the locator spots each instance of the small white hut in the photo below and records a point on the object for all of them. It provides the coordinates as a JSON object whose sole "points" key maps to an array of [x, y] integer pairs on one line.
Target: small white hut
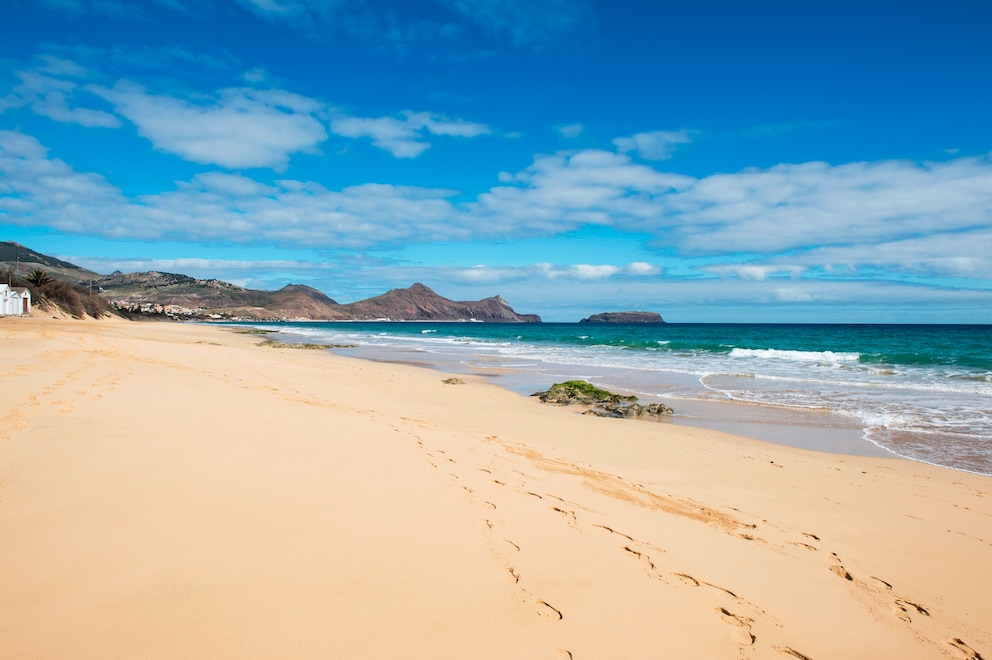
{"points": [[14, 300]]}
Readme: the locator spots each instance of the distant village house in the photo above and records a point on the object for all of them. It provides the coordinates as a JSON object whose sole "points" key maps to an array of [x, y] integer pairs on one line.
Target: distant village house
{"points": [[14, 300]]}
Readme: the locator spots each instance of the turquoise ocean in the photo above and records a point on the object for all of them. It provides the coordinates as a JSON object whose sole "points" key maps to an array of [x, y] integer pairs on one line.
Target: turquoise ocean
{"points": [[922, 392]]}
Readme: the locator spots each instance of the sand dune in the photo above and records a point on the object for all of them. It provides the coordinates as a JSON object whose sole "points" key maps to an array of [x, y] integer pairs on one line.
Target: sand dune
{"points": [[180, 491]]}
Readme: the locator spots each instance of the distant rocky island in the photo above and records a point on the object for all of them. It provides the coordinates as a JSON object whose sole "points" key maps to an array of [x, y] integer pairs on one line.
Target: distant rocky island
{"points": [[624, 317]]}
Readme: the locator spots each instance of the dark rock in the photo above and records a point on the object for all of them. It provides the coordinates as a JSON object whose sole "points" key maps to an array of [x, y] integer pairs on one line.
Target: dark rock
{"points": [[601, 403], [624, 317]]}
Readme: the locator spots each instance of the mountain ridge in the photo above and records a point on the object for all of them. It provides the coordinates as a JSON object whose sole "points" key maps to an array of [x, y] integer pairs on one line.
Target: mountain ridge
{"points": [[23, 259], [162, 295]]}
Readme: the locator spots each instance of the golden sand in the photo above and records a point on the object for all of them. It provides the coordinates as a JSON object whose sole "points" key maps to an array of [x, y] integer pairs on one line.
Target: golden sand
{"points": [[175, 491]]}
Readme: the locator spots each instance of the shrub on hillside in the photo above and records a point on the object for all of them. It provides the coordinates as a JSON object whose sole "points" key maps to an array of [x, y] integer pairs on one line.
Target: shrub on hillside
{"points": [[69, 298]]}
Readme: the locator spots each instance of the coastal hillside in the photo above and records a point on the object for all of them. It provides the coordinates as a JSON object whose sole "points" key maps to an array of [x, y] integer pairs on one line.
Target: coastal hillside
{"points": [[22, 260], [143, 294], [156, 295], [149, 293]]}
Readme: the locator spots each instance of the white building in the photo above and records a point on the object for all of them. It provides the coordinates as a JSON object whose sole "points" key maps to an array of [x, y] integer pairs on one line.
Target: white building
{"points": [[14, 300]]}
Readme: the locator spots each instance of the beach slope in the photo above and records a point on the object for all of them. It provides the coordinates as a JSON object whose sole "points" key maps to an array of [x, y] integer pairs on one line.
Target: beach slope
{"points": [[183, 491]]}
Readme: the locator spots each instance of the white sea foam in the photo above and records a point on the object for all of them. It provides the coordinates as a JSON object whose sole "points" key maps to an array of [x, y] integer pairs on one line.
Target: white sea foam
{"points": [[800, 356]]}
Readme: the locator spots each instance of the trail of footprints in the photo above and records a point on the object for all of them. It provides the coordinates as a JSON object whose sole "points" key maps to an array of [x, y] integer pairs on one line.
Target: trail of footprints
{"points": [[62, 394], [732, 609], [734, 613]]}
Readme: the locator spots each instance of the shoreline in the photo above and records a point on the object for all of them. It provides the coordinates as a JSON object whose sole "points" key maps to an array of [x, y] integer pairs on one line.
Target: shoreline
{"points": [[822, 430], [182, 491], [931, 408]]}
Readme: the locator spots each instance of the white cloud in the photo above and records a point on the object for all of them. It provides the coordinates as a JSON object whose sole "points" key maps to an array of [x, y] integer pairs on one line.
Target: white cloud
{"points": [[804, 222], [788, 207], [755, 272], [240, 128], [482, 274], [235, 127], [38, 191], [199, 267], [956, 254], [403, 136], [887, 213], [567, 190], [58, 66], [440, 125], [641, 268], [576, 271], [657, 145], [389, 133], [591, 272], [548, 271], [570, 131], [50, 97]]}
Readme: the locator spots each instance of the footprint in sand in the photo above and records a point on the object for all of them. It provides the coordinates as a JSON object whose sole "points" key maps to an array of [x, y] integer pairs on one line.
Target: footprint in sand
{"points": [[688, 579], [693, 582], [613, 531], [742, 625], [963, 649], [568, 515], [643, 558], [550, 611], [880, 582], [840, 571], [901, 609]]}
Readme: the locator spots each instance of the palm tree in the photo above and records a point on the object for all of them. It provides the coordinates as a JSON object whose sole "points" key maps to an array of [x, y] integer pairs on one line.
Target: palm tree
{"points": [[39, 277]]}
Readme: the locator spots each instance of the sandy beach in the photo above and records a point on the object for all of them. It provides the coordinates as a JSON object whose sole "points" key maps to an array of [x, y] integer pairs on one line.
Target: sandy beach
{"points": [[180, 491]]}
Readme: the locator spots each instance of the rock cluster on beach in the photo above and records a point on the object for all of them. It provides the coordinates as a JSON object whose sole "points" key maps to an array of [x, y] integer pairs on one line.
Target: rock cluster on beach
{"points": [[600, 402]]}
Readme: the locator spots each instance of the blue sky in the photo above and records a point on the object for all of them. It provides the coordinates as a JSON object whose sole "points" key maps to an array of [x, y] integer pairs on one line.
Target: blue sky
{"points": [[711, 161]]}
